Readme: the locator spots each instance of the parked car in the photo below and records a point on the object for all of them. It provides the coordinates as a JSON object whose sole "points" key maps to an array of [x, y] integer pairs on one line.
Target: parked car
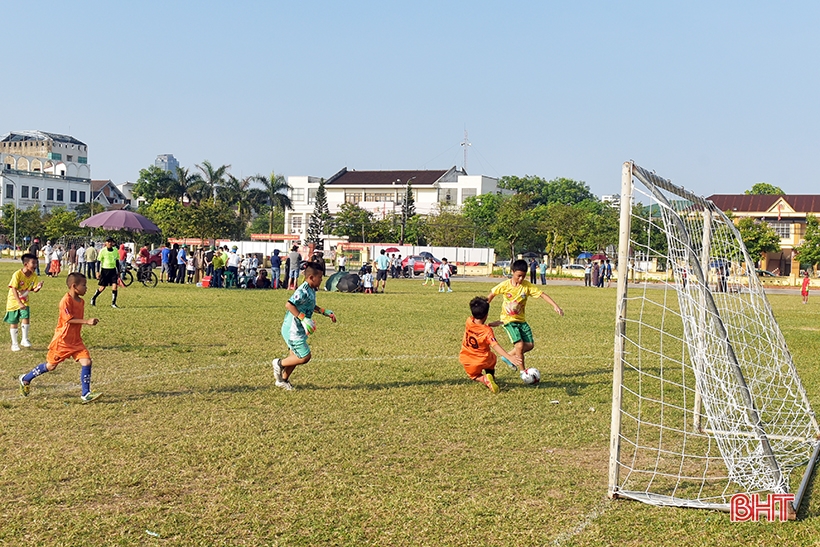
{"points": [[573, 266], [765, 273], [155, 258], [418, 266]]}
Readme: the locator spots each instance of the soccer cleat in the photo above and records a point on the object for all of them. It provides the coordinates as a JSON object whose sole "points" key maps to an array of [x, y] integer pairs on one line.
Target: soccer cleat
{"points": [[449, 290], [93, 302], [284, 384], [25, 343], [490, 381], [25, 388], [277, 370], [510, 364], [15, 347], [115, 306], [90, 396]]}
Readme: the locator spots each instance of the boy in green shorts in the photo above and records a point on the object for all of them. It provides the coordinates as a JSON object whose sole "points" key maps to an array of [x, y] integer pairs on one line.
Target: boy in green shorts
{"points": [[23, 281], [515, 292]]}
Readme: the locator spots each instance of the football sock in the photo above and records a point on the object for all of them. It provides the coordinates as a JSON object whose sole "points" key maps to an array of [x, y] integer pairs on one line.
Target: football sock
{"points": [[94, 298], [114, 297], [13, 333], [25, 327], [85, 378], [35, 372]]}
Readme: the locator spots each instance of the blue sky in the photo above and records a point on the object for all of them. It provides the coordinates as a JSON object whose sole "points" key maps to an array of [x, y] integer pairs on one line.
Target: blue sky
{"points": [[714, 95]]}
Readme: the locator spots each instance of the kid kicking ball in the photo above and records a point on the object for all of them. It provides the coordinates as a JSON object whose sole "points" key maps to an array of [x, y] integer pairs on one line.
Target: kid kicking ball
{"points": [[531, 376]]}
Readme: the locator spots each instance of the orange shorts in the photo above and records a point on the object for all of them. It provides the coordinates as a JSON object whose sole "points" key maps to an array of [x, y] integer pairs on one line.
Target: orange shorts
{"points": [[58, 355], [477, 371]]}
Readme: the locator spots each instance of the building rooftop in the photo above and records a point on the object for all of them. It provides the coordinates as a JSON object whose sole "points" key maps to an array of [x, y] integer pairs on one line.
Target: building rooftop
{"points": [[19, 136], [748, 203], [347, 177]]}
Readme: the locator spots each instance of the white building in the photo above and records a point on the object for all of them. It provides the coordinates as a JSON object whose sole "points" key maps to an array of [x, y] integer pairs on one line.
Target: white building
{"points": [[382, 192], [44, 169]]}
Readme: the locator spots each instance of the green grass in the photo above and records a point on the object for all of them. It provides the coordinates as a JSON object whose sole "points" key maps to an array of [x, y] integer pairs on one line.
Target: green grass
{"points": [[384, 442]]}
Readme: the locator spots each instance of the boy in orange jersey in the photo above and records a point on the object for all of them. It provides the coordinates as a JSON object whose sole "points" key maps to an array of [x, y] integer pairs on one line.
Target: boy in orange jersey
{"points": [[67, 341], [475, 356]]}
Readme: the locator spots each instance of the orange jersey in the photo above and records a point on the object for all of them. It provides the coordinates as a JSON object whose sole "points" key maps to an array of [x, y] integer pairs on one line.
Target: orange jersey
{"points": [[475, 348], [67, 338]]}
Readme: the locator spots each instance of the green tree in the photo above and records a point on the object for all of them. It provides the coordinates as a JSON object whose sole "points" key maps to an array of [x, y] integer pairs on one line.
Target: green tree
{"points": [[353, 222], [61, 222], [560, 190], [514, 222], [30, 222], [184, 185], [446, 228], [766, 189], [562, 227], [758, 237], [261, 223], [416, 230], [212, 220], [320, 221], [274, 193], [153, 183], [481, 211], [85, 210], [169, 215], [408, 210], [809, 251], [211, 185]]}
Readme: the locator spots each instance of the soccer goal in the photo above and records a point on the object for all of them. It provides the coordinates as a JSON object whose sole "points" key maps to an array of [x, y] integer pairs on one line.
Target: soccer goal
{"points": [[706, 402]]}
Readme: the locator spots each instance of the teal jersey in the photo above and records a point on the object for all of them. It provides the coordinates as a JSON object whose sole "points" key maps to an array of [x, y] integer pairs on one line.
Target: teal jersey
{"points": [[304, 298]]}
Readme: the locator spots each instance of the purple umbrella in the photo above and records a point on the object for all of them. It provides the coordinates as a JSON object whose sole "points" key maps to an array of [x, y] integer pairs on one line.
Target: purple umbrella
{"points": [[121, 220]]}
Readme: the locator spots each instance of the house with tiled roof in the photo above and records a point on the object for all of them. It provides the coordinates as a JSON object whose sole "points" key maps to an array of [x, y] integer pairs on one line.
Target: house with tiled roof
{"points": [[382, 192], [108, 195], [786, 214]]}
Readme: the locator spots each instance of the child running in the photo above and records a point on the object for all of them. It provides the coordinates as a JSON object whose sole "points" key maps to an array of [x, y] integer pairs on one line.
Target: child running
{"points": [[67, 341], [804, 292], [475, 356], [298, 325], [515, 292], [23, 281], [444, 276]]}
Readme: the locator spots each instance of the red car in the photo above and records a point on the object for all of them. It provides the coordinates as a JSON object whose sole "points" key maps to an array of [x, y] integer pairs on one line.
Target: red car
{"points": [[155, 258], [418, 266]]}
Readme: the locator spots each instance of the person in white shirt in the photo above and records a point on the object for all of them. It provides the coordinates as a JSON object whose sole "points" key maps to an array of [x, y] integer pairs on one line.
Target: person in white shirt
{"points": [[81, 259], [341, 260]]}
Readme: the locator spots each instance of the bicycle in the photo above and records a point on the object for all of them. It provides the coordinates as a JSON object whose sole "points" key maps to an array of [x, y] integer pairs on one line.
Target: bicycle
{"points": [[145, 275]]}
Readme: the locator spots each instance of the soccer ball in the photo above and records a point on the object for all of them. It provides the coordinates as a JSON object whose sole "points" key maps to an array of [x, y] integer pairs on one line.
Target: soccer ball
{"points": [[531, 376]]}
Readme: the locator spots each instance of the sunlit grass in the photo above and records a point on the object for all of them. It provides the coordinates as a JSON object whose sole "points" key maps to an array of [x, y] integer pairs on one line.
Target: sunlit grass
{"points": [[384, 442]]}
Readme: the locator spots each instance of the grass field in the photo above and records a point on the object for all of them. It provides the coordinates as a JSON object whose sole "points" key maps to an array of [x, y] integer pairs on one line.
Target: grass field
{"points": [[384, 442]]}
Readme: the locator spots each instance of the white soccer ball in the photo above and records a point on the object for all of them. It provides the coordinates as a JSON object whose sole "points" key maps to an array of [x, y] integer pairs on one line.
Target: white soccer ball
{"points": [[531, 376]]}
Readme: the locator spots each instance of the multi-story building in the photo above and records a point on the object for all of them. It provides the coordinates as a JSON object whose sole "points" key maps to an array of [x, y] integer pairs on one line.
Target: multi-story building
{"points": [[167, 162], [44, 169], [786, 214], [382, 192]]}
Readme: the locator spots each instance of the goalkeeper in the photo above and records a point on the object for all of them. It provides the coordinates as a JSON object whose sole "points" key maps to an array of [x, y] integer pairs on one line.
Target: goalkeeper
{"points": [[298, 325]]}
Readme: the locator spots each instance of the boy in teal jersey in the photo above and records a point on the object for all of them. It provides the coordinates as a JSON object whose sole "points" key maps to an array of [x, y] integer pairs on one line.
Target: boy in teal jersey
{"points": [[23, 282], [299, 324], [515, 292]]}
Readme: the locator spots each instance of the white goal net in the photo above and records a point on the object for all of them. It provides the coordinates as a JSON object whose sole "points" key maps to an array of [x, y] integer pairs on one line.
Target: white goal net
{"points": [[706, 399]]}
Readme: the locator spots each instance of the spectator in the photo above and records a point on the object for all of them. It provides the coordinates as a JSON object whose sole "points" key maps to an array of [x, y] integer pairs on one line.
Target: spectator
{"points": [[543, 270], [295, 261], [165, 256], [91, 260], [533, 268], [275, 268]]}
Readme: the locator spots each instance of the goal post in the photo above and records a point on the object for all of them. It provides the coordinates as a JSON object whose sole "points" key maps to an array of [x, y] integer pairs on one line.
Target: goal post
{"points": [[706, 400]]}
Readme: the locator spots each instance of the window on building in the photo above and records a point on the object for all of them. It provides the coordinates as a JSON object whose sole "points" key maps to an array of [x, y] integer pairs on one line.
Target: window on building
{"points": [[50, 194], [9, 191], [69, 157], [445, 195], [82, 196], [783, 229], [35, 192], [296, 224], [24, 192], [467, 193], [60, 196], [312, 195], [297, 195], [379, 196], [353, 197], [73, 196]]}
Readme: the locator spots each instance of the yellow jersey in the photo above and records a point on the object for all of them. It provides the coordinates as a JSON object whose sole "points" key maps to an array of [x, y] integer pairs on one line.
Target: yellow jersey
{"points": [[23, 284], [515, 299]]}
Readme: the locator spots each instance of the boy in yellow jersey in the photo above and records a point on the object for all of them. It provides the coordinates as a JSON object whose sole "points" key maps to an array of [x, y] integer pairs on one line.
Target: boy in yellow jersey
{"points": [[23, 281], [515, 292]]}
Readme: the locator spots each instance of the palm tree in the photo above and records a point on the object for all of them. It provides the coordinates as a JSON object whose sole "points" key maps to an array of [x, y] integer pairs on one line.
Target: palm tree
{"points": [[274, 192], [239, 192], [186, 184], [212, 179]]}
